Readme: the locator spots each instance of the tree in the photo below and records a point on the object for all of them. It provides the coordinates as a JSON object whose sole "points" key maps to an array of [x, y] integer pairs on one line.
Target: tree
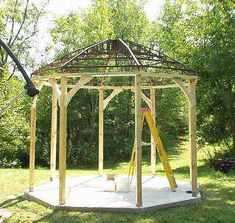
{"points": [[19, 25], [201, 33], [14, 124], [106, 19]]}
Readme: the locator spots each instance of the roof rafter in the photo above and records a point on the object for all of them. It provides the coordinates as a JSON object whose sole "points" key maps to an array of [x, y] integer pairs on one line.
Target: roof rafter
{"points": [[131, 53]]}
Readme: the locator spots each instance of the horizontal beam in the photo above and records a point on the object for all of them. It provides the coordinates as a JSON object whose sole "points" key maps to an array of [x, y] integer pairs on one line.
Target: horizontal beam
{"points": [[170, 76], [125, 87], [100, 74], [118, 74], [119, 87], [87, 74]]}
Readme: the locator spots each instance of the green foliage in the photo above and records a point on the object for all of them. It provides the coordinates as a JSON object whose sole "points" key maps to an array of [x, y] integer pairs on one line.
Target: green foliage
{"points": [[201, 33], [18, 26], [43, 127], [65, 30], [172, 112], [14, 124], [104, 19]]}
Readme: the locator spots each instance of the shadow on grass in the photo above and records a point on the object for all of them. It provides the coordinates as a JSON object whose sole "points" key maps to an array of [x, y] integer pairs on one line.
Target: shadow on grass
{"points": [[11, 202], [60, 216], [219, 197], [203, 171]]}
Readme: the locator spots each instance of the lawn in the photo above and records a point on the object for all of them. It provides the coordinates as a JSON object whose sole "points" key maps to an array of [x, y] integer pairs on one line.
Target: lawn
{"points": [[217, 190]]}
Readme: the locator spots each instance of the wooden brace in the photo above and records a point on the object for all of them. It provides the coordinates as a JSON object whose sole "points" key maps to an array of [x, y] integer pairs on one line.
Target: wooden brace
{"points": [[145, 98], [112, 95], [82, 81], [186, 91]]}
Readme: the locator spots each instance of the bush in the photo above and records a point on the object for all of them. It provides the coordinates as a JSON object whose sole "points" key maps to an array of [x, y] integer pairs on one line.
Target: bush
{"points": [[221, 160], [9, 163]]}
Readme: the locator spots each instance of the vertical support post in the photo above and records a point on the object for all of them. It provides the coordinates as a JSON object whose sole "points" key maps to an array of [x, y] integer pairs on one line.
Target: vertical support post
{"points": [[62, 141], [153, 147], [138, 137], [32, 143], [53, 132], [101, 130], [192, 140]]}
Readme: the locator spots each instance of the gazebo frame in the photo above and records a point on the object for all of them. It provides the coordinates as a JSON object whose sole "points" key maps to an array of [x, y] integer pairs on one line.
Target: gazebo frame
{"points": [[63, 91]]}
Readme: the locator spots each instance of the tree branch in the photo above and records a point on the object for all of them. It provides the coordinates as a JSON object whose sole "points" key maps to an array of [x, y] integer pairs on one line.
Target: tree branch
{"points": [[22, 23], [13, 23]]}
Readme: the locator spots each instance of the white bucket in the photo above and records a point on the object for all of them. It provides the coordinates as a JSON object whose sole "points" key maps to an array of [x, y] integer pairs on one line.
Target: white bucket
{"points": [[122, 183], [110, 186]]}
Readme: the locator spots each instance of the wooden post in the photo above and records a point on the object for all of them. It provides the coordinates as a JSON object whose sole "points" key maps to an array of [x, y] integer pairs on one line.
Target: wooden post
{"points": [[101, 130], [62, 141], [32, 144], [53, 132], [138, 137], [153, 147], [192, 140]]}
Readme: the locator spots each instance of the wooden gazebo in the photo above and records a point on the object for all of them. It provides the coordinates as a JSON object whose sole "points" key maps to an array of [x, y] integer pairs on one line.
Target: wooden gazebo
{"points": [[144, 67]]}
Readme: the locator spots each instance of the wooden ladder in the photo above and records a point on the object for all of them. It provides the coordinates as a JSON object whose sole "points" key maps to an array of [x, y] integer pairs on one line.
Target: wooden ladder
{"points": [[146, 114]]}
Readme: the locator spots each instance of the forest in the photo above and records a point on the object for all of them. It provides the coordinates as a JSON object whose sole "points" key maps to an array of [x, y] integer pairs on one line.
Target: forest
{"points": [[200, 34]]}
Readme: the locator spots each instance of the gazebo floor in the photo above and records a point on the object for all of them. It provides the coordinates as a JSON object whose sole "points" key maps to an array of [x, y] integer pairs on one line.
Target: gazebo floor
{"points": [[86, 193]]}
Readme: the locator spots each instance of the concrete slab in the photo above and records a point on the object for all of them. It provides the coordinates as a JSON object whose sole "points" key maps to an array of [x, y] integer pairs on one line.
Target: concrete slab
{"points": [[87, 193]]}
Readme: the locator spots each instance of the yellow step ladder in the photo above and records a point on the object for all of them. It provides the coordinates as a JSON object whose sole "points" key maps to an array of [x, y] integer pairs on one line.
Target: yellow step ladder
{"points": [[146, 114]]}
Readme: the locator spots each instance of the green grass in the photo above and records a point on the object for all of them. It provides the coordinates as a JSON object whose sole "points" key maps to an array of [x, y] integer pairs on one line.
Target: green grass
{"points": [[217, 190]]}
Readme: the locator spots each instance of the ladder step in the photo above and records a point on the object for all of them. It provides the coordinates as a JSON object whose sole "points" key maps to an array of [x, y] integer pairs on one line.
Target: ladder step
{"points": [[148, 143]]}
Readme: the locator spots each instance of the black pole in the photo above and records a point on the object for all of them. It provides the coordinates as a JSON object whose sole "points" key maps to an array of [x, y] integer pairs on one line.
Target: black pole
{"points": [[31, 89]]}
